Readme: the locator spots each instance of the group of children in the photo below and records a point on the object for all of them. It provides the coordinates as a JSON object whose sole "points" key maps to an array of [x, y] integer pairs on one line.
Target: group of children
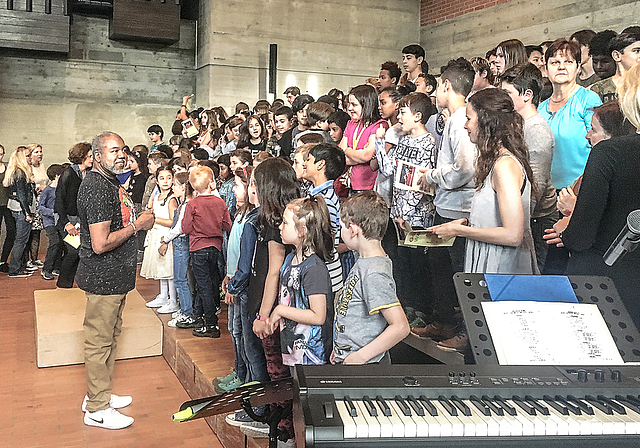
{"points": [[282, 276]]}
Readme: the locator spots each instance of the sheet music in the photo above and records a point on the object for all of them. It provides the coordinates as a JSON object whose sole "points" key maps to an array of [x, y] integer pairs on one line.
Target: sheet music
{"points": [[548, 333]]}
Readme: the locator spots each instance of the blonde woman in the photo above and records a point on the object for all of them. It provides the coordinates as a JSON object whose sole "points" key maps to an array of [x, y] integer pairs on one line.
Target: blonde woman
{"points": [[19, 179], [40, 179]]}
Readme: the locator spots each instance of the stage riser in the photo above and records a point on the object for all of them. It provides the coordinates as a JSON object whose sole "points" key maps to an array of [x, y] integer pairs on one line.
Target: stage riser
{"points": [[60, 337], [196, 362]]}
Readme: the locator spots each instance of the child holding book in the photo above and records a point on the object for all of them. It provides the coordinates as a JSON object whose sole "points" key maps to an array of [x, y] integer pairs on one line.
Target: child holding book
{"points": [[416, 147]]}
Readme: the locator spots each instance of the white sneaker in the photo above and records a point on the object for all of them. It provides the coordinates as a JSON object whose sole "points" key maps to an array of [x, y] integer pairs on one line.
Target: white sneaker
{"points": [[107, 418], [168, 308], [181, 318], [116, 402], [176, 314], [158, 301]]}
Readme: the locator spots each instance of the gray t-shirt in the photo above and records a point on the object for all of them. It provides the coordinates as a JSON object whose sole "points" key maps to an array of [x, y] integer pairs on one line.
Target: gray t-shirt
{"points": [[539, 139], [368, 289]]}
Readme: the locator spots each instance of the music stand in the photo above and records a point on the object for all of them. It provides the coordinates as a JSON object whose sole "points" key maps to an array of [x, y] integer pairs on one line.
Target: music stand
{"points": [[244, 397], [472, 291]]}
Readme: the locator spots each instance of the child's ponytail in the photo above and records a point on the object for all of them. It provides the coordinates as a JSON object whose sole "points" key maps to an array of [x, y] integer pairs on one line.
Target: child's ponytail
{"points": [[312, 214]]}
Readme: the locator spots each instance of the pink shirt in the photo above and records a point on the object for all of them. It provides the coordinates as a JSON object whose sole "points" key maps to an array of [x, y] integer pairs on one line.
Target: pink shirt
{"points": [[362, 177]]}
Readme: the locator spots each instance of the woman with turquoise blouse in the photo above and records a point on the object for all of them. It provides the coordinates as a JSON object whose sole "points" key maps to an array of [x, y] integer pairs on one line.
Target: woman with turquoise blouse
{"points": [[568, 112]]}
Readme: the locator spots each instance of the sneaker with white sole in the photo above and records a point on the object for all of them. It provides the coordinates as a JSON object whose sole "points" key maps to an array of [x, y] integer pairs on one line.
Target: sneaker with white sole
{"points": [[256, 430], [168, 308], [176, 314], [107, 418], [38, 263], [190, 322], [158, 301], [238, 418], [22, 274], [116, 402], [180, 319]]}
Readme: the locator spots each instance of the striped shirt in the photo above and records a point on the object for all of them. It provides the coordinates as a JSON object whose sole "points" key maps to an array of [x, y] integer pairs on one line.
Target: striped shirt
{"points": [[333, 204]]}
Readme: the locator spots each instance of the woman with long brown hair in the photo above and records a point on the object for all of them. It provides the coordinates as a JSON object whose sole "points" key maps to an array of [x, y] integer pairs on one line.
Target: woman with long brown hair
{"points": [[498, 232], [510, 53]]}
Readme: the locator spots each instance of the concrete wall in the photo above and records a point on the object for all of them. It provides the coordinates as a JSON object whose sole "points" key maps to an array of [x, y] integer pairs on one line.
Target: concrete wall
{"points": [[321, 45], [530, 21], [101, 84]]}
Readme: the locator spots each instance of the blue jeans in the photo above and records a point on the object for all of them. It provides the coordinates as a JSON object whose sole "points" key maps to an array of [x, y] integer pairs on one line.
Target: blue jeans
{"points": [[23, 230], [235, 328], [253, 350], [180, 266], [205, 269]]}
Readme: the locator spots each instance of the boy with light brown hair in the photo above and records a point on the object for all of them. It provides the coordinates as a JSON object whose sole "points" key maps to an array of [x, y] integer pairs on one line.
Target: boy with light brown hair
{"points": [[205, 218], [368, 318]]}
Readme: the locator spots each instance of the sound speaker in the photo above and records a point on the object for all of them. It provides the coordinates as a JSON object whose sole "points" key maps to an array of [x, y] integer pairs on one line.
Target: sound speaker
{"points": [[273, 68]]}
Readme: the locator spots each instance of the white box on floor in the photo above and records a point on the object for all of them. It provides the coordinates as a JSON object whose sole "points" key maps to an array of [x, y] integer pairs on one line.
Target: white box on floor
{"points": [[60, 337]]}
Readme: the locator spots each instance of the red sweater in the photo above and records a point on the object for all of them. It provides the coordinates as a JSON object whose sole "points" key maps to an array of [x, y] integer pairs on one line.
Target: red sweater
{"points": [[205, 217]]}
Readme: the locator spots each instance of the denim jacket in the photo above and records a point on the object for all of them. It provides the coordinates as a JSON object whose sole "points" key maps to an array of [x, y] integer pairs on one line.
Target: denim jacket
{"points": [[240, 281], [22, 193]]}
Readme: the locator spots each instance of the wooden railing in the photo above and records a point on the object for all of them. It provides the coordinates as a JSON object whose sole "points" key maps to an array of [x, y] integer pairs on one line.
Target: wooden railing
{"points": [[35, 25]]}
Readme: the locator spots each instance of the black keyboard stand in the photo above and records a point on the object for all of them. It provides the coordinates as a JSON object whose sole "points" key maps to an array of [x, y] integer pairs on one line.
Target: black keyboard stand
{"points": [[271, 417], [472, 291]]}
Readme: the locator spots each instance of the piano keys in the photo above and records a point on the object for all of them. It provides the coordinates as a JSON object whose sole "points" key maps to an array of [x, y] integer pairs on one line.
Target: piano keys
{"points": [[479, 406]]}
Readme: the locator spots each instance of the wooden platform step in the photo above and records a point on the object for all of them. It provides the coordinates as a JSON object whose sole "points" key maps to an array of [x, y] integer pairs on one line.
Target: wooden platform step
{"points": [[59, 314], [196, 362]]}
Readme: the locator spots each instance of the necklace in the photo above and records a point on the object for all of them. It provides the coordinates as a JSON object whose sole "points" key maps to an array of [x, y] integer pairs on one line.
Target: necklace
{"points": [[564, 98]]}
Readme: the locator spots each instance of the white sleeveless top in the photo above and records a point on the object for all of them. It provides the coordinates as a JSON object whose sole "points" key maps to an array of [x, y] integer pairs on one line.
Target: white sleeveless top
{"points": [[487, 258]]}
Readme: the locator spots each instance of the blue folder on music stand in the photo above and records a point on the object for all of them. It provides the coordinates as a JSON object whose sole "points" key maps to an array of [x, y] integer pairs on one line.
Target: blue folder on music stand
{"points": [[536, 288]]}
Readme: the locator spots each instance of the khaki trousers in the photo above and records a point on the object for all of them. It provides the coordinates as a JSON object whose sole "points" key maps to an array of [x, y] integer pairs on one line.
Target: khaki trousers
{"points": [[102, 326]]}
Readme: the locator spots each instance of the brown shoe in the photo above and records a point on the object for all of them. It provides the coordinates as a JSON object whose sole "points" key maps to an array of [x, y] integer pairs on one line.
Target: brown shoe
{"points": [[436, 330], [457, 343]]}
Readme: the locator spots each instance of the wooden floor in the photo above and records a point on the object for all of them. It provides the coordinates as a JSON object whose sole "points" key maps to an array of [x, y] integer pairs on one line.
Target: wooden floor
{"points": [[41, 407]]}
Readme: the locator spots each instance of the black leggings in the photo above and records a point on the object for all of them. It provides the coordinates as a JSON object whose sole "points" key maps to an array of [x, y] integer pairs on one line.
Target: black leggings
{"points": [[10, 227]]}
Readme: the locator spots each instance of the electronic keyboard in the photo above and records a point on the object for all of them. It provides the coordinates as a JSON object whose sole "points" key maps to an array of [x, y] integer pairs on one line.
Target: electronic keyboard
{"points": [[467, 406]]}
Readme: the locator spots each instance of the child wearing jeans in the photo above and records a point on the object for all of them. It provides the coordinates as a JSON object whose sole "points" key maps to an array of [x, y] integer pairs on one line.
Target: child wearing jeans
{"points": [[368, 318], [205, 218], [234, 253], [183, 192], [46, 203]]}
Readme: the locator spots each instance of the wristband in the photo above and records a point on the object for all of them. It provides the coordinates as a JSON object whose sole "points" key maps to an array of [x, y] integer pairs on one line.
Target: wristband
{"points": [[259, 317], [135, 231]]}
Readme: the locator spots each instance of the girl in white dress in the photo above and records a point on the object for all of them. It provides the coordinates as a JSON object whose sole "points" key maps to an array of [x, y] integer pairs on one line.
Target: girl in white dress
{"points": [[154, 265], [498, 234]]}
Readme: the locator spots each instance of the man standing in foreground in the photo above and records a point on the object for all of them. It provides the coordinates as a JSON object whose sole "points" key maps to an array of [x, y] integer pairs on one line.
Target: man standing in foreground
{"points": [[106, 273]]}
